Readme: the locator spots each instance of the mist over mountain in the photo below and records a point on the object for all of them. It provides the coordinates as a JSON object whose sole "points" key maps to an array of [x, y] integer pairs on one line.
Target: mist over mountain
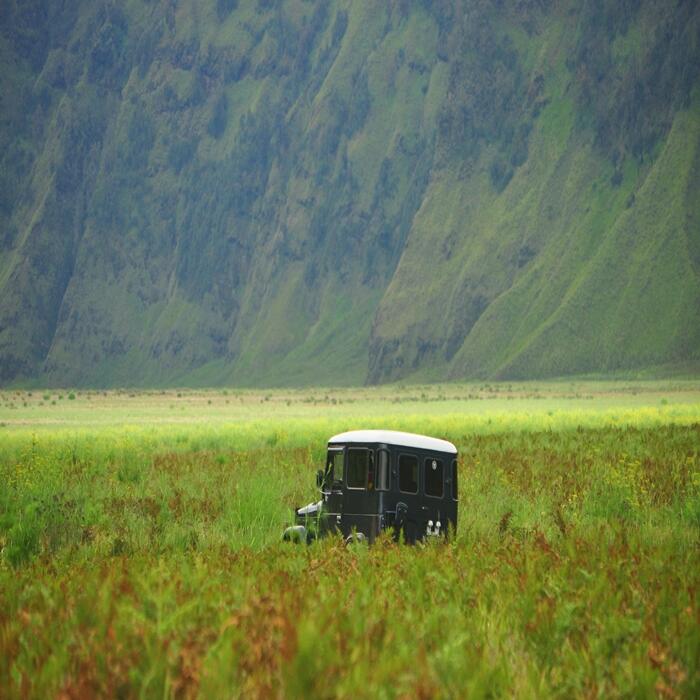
{"points": [[302, 192]]}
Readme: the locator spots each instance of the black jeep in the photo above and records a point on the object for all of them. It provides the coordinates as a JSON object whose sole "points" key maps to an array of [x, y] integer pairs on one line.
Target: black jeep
{"points": [[379, 479]]}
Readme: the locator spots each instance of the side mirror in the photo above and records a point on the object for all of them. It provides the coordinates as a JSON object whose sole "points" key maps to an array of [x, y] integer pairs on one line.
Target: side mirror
{"points": [[319, 478]]}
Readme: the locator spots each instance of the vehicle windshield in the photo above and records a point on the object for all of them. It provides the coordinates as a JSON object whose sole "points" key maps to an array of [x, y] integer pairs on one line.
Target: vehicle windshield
{"points": [[335, 467]]}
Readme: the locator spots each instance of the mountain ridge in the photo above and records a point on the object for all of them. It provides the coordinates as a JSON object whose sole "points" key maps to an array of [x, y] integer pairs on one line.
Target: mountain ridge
{"points": [[300, 193]]}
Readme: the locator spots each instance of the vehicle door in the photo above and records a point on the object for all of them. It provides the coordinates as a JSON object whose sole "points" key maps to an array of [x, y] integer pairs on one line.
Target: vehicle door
{"points": [[360, 497], [333, 484], [407, 478], [436, 500]]}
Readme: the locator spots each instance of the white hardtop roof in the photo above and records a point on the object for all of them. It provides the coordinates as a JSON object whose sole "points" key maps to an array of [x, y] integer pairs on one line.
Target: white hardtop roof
{"points": [[394, 437]]}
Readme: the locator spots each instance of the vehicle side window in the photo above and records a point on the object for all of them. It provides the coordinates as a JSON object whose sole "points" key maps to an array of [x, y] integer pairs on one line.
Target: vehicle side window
{"points": [[357, 467], [433, 477], [334, 470], [408, 473], [454, 480], [383, 474]]}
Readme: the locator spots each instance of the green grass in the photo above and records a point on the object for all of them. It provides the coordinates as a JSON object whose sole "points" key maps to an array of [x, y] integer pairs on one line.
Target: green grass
{"points": [[140, 552]]}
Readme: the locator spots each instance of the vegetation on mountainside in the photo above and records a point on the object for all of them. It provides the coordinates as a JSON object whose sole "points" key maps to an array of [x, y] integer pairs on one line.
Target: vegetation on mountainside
{"points": [[285, 192], [140, 552]]}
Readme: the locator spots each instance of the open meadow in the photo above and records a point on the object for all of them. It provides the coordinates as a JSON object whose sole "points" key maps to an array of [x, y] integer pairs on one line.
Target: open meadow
{"points": [[140, 550]]}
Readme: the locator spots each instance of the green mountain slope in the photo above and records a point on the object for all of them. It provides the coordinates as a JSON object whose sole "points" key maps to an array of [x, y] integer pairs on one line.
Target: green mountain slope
{"points": [[295, 192]]}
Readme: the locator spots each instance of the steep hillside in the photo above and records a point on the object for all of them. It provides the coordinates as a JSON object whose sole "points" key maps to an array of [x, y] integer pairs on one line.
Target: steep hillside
{"points": [[296, 192]]}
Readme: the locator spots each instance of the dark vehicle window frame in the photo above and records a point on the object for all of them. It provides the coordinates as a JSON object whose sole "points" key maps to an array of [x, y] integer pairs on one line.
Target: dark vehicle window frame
{"points": [[332, 452], [417, 462], [367, 451], [455, 490], [330, 464], [377, 462], [427, 464]]}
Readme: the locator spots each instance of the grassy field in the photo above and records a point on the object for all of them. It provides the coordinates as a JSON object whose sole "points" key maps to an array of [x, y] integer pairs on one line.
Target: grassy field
{"points": [[140, 552]]}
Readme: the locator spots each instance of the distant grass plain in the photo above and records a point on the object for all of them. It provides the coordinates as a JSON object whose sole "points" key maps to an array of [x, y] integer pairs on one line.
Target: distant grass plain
{"points": [[140, 552]]}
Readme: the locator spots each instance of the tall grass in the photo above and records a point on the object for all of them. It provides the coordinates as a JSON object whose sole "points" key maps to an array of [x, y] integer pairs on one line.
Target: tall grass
{"points": [[144, 561]]}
